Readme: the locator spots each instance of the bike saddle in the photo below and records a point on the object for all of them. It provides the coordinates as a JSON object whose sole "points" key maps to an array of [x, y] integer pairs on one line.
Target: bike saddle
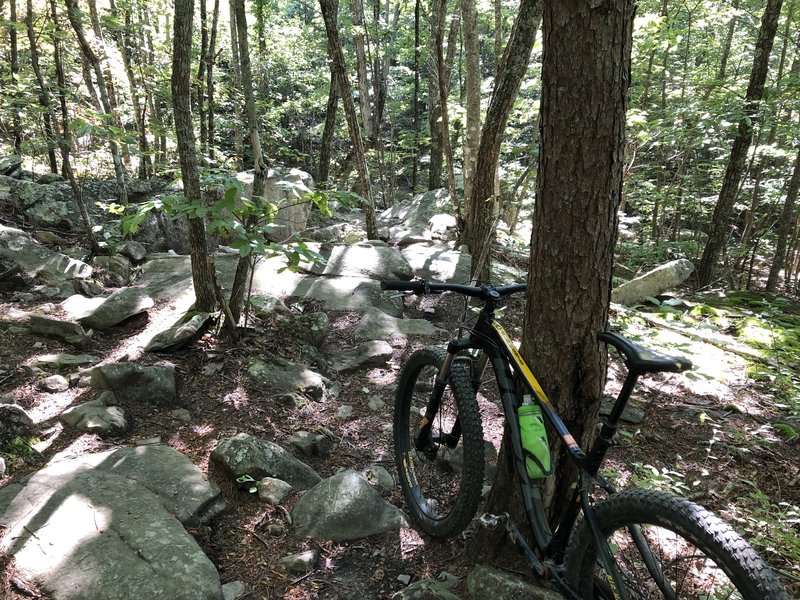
{"points": [[641, 360]]}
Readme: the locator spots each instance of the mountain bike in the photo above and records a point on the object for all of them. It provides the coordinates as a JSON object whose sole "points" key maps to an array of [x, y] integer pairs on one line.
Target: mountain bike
{"points": [[632, 544]]}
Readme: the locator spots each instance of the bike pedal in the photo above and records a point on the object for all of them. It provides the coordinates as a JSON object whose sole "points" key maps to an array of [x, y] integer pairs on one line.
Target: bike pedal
{"points": [[490, 521]]}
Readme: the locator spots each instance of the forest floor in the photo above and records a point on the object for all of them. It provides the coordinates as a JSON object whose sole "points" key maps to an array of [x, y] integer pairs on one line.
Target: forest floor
{"points": [[718, 447]]}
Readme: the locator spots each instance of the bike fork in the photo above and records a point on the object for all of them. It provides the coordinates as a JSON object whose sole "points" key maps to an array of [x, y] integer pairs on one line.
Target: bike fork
{"points": [[425, 442]]}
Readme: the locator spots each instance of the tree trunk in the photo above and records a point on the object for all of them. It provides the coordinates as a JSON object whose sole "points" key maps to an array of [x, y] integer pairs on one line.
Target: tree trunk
{"points": [[575, 224], [482, 205], [203, 272], [327, 134], [62, 84], [415, 155], [210, 81], [498, 35], [260, 179], [472, 135], [125, 44], [444, 119], [329, 14], [60, 140], [725, 52], [73, 13], [235, 88], [720, 222], [785, 227], [201, 75], [357, 9], [434, 94], [12, 34]]}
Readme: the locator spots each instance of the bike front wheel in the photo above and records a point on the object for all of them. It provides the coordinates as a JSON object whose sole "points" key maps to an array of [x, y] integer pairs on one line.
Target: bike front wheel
{"points": [[440, 461], [667, 547]]}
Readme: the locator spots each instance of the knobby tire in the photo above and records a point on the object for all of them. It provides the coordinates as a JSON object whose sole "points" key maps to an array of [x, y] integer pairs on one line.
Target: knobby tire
{"points": [[700, 556], [442, 491]]}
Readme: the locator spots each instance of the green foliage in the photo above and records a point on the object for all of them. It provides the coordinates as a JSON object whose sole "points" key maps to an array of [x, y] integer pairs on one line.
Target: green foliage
{"points": [[772, 528], [664, 479], [246, 224]]}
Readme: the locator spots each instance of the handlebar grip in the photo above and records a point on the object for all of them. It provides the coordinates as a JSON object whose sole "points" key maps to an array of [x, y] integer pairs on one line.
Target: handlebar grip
{"points": [[402, 286]]}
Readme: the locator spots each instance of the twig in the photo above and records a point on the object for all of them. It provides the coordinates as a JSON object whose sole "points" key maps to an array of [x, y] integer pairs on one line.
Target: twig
{"points": [[299, 579], [255, 535]]}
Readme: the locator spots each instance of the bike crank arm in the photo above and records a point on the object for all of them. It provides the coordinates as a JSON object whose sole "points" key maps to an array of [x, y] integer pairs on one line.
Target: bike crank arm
{"points": [[490, 521]]}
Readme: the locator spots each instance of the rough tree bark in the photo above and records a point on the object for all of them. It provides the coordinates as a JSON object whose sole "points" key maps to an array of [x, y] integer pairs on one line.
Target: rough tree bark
{"points": [[720, 222], [585, 79], [785, 226], [73, 14], [329, 14], [326, 144], [482, 205], [203, 272]]}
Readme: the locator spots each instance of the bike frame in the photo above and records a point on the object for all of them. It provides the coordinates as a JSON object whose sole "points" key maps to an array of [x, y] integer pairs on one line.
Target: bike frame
{"points": [[510, 369]]}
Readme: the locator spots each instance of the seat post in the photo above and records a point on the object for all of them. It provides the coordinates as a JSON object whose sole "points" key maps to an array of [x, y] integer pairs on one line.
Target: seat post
{"points": [[604, 439]]}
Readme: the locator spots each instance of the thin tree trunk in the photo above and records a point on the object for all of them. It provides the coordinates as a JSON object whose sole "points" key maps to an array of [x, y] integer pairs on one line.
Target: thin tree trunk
{"points": [[472, 135], [235, 89], [125, 44], [357, 9], [482, 206], [62, 83], [12, 34], [260, 178], [725, 52], [415, 155], [203, 271], [434, 93], [327, 133], [444, 80], [329, 14], [60, 140], [785, 226], [201, 74], [720, 221], [498, 35], [212, 44], [74, 18]]}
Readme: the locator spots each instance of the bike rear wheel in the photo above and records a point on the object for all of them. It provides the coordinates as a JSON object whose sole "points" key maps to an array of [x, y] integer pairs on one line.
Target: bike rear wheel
{"points": [[440, 470], [694, 555]]}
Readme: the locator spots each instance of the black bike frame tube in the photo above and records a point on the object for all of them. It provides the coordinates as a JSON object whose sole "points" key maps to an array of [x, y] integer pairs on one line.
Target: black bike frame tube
{"points": [[531, 496], [501, 338]]}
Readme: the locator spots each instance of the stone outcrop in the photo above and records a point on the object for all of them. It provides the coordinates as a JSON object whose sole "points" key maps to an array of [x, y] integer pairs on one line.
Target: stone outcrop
{"points": [[345, 507], [102, 525]]}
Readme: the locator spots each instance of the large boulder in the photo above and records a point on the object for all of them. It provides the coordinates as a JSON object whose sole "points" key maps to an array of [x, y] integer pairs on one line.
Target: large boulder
{"points": [[345, 507], [653, 282], [287, 189], [244, 454], [370, 260], [38, 263], [425, 217], [487, 582], [137, 383], [284, 375], [120, 305], [91, 528], [377, 325]]}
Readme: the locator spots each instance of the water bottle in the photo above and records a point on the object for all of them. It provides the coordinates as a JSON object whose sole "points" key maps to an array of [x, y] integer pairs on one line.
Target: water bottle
{"points": [[534, 439]]}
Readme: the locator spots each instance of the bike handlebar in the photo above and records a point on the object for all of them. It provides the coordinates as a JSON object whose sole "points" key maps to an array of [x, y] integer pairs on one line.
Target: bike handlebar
{"points": [[486, 292]]}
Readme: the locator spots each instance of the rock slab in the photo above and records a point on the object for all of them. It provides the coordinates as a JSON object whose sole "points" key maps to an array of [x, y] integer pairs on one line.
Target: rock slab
{"points": [[86, 529]]}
